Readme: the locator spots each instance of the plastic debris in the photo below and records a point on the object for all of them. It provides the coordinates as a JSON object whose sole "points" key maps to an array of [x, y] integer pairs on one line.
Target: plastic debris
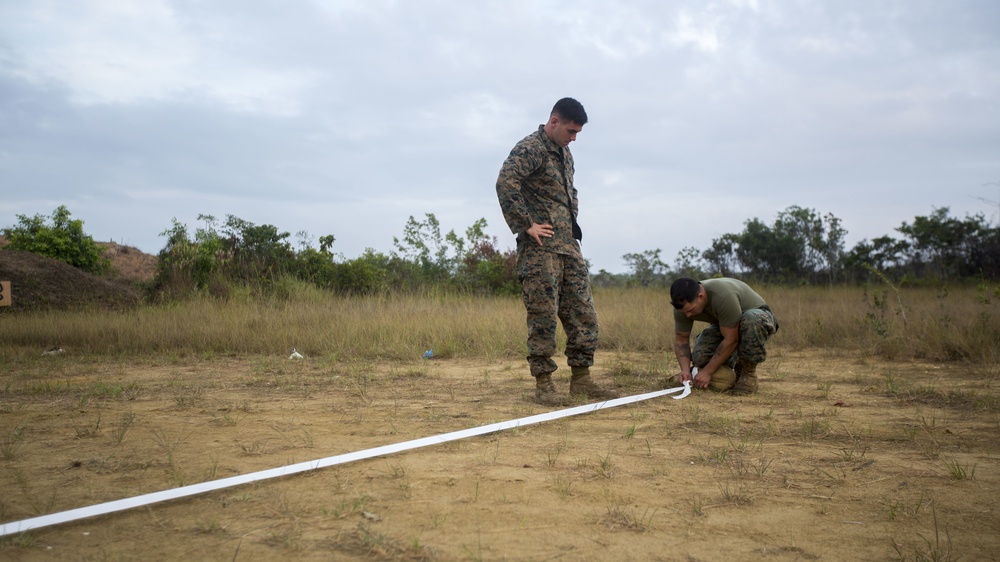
{"points": [[429, 354], [295, 354], [54, 351]]}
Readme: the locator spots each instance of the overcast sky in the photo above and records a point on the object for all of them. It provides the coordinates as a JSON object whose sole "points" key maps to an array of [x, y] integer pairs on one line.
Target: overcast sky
{"points": [[347, 117]]}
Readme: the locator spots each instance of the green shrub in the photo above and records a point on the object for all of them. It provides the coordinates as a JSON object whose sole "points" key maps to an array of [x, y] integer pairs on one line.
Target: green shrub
{"points": [[62, 239]]}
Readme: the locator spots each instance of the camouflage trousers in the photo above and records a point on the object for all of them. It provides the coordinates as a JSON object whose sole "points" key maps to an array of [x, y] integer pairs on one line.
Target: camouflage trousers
{"points": [[756, 326], [556, 286]]}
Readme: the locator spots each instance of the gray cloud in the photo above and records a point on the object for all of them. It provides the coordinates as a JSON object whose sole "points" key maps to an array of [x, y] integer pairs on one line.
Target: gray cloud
{"points": [[346, 118]]}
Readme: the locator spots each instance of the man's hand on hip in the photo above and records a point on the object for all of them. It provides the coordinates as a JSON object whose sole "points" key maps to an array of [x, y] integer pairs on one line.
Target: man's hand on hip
{"points": [[539, 231]]}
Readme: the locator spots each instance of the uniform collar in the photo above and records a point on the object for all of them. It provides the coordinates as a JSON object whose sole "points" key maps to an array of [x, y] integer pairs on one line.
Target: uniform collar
{"points": [[549, 143]]}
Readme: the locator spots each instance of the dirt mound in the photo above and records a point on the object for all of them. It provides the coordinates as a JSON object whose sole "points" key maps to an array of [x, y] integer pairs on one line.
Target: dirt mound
{"points": [[129, 263], [42, 283]]}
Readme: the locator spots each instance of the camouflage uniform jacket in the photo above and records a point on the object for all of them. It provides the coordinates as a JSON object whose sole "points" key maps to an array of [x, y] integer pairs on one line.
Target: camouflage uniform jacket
{"points": [[536, 185]]}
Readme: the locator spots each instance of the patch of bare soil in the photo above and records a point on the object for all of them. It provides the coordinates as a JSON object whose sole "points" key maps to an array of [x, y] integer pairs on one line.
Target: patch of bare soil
{"points": [[129, 263], [837, 458], [39, 282]]}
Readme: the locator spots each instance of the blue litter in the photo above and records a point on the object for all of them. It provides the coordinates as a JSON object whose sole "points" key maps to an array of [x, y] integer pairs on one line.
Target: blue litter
{"points": [[429, 354]]}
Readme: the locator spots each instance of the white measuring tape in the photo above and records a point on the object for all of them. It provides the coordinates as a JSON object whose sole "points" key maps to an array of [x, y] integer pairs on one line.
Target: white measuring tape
{"points": [[184, 491]]}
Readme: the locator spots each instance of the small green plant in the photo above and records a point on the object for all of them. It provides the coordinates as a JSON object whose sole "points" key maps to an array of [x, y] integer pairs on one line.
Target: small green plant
{"points": [[691, 414], [396, 470], [120, 431], [89, 430], [605, 466], [894, 510], [362, 382], [552, 454], [339, 511], [855, 452], [253, 448], [188, 398], [208, 527], [169, 446], [959, 471], [475, 552], [229, 418], [406, 488], [637, 414], [10, 444], [114, 391], [935, 549], [696, 508], [619, 516], [824, 389], [921, 502], [878, 315], [212, 471], [928, 424], [370, 539], [724, 425], [741, 468], [416, 546], [438, 519], [929, 447], [494, 453], [891, 384], [813, 428], [736, 497], [760, 467], [564, 487], [19, 540], [719, 455], [743, 443]]}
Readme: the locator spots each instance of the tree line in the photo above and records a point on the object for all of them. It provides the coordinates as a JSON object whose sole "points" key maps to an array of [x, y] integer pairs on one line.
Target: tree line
{"points": [[801, 246]]}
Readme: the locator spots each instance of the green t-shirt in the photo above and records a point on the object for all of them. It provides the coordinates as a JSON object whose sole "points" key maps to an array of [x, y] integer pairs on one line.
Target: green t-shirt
{"points": [[728, 299]]}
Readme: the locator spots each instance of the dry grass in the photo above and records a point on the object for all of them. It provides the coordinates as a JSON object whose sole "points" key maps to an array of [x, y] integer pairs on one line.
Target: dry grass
{"points": [[963, 324]]}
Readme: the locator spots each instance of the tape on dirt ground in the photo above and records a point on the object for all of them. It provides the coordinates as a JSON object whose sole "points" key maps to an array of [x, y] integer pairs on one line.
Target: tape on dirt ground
{"points": [[202, 487]]}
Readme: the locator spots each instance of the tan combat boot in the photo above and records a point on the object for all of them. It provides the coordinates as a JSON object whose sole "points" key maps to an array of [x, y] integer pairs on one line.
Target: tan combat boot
{"points": [[582, 385], [746, 383], [545, 391]]}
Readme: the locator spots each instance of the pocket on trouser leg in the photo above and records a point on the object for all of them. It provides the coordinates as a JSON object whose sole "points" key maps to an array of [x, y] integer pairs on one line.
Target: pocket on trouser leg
{"points": [[723, 379], [756, 326]]}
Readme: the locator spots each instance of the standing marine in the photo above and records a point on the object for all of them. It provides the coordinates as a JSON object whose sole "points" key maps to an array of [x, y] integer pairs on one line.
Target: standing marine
{"points": [[539, 203]]}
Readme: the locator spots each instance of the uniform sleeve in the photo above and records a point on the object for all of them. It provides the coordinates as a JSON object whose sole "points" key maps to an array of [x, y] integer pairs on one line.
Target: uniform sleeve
{"points": [[520, 164]]}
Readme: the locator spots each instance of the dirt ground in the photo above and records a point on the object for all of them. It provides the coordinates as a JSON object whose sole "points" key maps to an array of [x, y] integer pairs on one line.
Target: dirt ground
{"points": [[837, 458]]}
